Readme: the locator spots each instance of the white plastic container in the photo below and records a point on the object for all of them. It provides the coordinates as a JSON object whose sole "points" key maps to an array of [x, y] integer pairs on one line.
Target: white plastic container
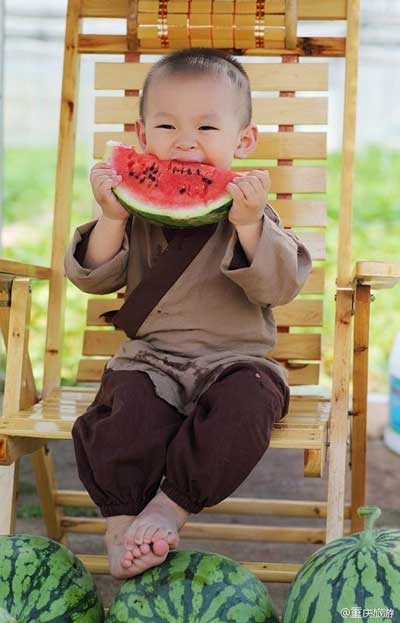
{"points": [[392, 432]]}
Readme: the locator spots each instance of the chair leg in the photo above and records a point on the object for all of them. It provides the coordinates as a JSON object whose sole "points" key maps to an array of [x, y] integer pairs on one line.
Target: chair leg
{"points": [[8, 507], [338, 431], [43, 467], [360, 401]]}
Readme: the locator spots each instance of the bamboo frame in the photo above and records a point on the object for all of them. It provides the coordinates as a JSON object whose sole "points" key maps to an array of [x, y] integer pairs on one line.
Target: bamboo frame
{"points": [[350, 296]]}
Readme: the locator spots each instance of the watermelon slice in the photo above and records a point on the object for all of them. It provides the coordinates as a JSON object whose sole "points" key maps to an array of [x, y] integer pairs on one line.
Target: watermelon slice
{"points": [[175, 193]]}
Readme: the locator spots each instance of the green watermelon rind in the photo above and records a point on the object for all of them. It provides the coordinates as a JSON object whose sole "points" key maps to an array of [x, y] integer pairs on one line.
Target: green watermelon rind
{"points": [[163, 217], [340, 576], [45, 570], [194, 587], [196, 215]]}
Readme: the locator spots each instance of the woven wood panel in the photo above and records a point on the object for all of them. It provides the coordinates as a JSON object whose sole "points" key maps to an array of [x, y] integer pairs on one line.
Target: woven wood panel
{"points": [[307, 9]]}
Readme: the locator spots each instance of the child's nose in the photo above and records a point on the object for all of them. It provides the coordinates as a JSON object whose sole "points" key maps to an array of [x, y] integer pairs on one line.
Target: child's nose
{"points": [[186, 142]]}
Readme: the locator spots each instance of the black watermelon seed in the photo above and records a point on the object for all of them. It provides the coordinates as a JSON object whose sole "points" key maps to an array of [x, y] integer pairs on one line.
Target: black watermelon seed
{"points": [[182, 190], [130, 173], [209, 181]]}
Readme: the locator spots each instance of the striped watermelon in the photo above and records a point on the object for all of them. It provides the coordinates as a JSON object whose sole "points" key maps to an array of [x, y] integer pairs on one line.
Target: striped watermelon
{"points": [[353, 578], [42, 581], [193, 587]]}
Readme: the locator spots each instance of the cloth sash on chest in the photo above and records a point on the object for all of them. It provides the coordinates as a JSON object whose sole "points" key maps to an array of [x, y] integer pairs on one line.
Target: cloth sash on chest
{"points": [[183, 246]]}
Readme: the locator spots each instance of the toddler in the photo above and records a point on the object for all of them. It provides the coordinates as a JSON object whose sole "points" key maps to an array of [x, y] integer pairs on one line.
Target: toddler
{"points": [[190, 395]]}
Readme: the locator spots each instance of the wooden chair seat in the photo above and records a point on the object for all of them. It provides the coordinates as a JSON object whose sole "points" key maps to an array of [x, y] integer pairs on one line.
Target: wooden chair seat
{"points": [[304, 427]]}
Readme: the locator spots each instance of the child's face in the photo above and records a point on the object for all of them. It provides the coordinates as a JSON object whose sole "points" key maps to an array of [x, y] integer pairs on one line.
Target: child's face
{"points": [[195, 119]]}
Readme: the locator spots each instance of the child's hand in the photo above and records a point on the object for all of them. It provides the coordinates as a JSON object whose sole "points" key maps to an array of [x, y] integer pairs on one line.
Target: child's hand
{"points": [[102, 179], [249, 192]]}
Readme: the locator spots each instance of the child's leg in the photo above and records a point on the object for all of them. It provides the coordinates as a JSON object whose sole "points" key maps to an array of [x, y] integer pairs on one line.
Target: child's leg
{"points": [[120, 445], [220, 443], [215, 448]]}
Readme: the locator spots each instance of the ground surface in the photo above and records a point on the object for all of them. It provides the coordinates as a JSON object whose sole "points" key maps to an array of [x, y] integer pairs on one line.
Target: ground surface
{"points": [[277, 475]]}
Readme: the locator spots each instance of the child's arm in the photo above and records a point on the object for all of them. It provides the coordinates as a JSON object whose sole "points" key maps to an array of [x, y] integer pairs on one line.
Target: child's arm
{"points": [[105, 241], [278, 269], [97, 257]]}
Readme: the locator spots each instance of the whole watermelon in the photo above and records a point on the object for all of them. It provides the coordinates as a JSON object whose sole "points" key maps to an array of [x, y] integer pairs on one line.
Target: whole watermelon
{"points": [[193, 587], [353, 578], [42, 581]]}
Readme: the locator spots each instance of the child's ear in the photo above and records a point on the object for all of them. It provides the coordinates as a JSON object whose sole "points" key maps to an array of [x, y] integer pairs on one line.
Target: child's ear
{"points": [[247, 141], [141, 134]]}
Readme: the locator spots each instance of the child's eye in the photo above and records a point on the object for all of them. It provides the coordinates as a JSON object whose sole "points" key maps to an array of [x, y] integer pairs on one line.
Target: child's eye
{"points": [[207, 127], [165, 125]]}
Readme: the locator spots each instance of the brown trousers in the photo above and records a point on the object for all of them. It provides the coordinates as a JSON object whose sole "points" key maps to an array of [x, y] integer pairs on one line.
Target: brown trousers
{"points": [[129, 438]]}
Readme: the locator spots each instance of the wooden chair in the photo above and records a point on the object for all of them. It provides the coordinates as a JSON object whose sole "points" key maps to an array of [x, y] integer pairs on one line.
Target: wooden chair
{"points": [[322, 426]]}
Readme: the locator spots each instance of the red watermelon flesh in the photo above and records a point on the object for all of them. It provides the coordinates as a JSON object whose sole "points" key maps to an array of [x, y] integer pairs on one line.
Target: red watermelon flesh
{"points": [[175, 193]]}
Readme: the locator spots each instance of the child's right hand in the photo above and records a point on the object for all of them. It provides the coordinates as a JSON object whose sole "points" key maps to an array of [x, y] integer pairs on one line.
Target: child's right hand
{"points": [[103, 179]]}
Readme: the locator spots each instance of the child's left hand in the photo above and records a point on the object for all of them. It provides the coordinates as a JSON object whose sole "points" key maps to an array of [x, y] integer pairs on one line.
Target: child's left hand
{"points": [[249, 192]]}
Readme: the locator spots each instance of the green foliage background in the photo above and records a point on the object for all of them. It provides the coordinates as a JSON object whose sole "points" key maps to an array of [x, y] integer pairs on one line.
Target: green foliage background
{"points": [[27, 221]]}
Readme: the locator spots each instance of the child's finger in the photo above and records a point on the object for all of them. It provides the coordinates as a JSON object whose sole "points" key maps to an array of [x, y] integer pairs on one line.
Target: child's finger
{"points": [[100, 179], [106, 166], [104, 173], [235, 191], [263, 176], [247, 189]]}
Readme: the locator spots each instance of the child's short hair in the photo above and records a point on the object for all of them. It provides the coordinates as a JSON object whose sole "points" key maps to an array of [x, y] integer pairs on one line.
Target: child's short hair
{"points": [[202, 60]]}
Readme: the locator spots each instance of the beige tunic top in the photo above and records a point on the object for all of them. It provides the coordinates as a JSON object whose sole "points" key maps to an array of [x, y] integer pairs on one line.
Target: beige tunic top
{"points": [[213, 316]]}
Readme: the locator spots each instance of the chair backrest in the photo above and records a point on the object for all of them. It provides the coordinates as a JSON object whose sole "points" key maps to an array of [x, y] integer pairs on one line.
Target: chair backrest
{"points": [[289, 95], [278, 107]]}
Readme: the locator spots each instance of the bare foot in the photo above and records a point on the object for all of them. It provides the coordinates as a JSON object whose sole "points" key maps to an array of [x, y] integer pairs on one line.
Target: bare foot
{"points": [[120, 565], [156, 527]]}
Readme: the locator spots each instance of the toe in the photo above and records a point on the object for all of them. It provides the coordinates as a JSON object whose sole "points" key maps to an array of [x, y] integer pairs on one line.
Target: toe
{"points": [[160, 547], [141, 529], [161, 533], [145, 548], [137, 551], [148, 536], [129, 539]]}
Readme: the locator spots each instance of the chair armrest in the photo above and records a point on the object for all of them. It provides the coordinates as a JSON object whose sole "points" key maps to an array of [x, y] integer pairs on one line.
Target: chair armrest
{"points": [[378, 275], [19, 269]]}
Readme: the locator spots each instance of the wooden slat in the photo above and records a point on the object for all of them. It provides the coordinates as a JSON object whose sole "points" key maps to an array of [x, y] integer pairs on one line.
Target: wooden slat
{"points": [[299, 313], [300, 212], [90, 370], [214, 530], [315, 243], [279, 77], [19, 269], [306, 46], [229, 506], [288, 345], [307, 9], [377, 274], [264, 571], [315, 283]]}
